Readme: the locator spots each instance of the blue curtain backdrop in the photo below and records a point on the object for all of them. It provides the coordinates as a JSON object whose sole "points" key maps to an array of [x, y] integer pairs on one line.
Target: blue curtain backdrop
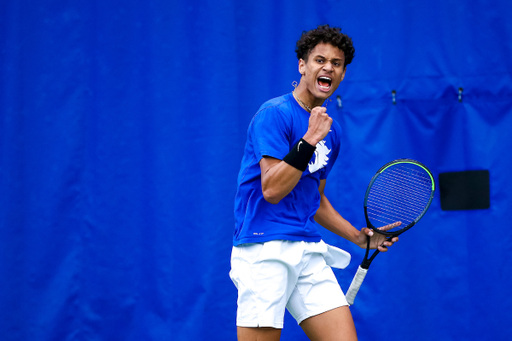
{"points": [[123, 125]]}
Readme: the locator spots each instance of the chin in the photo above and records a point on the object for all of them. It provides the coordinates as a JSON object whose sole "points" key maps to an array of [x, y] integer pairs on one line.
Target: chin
{"points": [[324, 95]]}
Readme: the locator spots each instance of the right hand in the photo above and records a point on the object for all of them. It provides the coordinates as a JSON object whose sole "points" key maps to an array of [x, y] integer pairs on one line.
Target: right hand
{"points": [[377, 240], [319, 125]]}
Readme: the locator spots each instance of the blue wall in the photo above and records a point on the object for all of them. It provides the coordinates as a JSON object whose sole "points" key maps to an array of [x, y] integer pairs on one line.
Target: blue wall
{"points": [[122, 126]]}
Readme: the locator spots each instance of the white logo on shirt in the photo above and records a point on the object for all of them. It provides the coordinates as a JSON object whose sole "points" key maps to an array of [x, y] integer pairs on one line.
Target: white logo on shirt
{"points": [[321, 158]]}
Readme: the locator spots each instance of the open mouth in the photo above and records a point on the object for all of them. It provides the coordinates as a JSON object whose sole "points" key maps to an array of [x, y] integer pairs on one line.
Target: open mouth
{"points": [[324, 83]]}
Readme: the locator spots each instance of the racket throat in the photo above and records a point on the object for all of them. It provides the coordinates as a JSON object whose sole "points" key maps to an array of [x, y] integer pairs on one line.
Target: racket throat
{"points": [[366, 263]]}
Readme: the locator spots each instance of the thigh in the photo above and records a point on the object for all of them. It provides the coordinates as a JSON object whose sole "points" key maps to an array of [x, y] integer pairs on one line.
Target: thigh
{"points": [[256, 334], [265, 281], [333, 325], [317, 290]]}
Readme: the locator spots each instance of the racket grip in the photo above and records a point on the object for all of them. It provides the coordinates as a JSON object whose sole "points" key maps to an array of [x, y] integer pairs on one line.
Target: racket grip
{"points": [[355, 285]]}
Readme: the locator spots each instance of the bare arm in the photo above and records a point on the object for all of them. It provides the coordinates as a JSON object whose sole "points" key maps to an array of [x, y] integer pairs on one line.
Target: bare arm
{"points": [[279, 178], [329, 218]]}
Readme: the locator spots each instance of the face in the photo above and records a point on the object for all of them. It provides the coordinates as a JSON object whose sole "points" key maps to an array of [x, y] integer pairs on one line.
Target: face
{"points": [[323, 71]]}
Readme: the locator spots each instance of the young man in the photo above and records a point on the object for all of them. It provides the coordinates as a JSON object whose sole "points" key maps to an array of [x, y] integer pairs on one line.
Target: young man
{"points": [[278, 258]]}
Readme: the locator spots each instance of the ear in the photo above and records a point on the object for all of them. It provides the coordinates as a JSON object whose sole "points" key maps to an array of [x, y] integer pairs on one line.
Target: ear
{"points": [[302, 66], [343, 74]]}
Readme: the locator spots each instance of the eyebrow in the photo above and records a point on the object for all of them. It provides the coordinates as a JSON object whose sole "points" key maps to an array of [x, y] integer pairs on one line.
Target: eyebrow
{"points": [[335, 59]]}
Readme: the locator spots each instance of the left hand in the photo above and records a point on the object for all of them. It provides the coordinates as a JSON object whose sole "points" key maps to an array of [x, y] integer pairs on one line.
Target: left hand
{"points": [[377, 240]]}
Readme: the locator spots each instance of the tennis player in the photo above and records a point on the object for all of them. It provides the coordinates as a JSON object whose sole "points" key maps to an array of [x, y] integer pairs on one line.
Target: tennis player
{"points": [[279, 259]]}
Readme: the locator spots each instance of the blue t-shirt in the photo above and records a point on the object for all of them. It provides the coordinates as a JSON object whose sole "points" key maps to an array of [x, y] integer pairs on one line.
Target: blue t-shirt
{"points": [[277, 126]]}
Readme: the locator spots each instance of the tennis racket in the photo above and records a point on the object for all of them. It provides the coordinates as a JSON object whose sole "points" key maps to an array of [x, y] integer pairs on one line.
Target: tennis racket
{"points": [[401, 191]]}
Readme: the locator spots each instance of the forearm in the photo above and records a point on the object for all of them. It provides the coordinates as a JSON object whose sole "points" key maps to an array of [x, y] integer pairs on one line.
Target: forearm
{"points": [[330, 219]]}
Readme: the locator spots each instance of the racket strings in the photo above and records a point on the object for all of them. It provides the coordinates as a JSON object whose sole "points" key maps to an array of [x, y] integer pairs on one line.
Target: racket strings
{"points": [[390, 212], [400, 193], [417, 182], [410, 197]]}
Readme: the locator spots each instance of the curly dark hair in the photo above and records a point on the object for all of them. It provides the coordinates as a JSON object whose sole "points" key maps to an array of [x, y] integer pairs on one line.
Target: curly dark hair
{"points": [[325, 34]]}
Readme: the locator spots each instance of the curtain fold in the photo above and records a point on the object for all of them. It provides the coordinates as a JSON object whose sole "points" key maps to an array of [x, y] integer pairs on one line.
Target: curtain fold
{"points": [[122, 127]]}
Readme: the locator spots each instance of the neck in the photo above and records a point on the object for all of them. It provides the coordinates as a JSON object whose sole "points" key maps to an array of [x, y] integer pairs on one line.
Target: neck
{"points": [[301, 103], [303, 95]]}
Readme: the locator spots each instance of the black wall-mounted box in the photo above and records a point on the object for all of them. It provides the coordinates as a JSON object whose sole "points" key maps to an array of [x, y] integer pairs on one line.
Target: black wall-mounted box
{"points": [[467, 190]]}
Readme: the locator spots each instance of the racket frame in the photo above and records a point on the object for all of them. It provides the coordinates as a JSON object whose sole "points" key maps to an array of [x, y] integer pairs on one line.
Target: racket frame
{"points": [[376, 176], [365, 264]]}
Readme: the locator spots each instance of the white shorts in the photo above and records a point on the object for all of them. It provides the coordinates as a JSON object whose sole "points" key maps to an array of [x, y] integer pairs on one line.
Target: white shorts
{"points": [[277, 274]]}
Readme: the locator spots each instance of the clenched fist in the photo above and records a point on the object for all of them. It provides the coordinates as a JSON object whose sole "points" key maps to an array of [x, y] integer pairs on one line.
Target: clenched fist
{"points": [[319, 125]]}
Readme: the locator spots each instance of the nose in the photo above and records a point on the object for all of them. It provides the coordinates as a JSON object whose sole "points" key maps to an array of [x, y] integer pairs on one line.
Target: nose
{"points": [[328, 66]]}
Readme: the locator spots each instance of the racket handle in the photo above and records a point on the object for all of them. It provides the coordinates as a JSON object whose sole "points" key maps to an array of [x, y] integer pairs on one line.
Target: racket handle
{"points": [[355, 285]]}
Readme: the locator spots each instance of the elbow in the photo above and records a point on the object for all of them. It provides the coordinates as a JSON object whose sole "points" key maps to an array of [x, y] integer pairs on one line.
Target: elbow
{"points": [[271, 197]]}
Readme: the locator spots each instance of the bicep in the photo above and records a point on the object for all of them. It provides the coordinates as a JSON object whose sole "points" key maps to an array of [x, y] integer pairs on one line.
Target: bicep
{"points": [[277, 179], [321, 187], [266, 163], [324, 202]]}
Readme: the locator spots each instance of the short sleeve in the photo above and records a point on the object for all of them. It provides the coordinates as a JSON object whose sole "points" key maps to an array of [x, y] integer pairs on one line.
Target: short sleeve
{"points": [[270, 132]]}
